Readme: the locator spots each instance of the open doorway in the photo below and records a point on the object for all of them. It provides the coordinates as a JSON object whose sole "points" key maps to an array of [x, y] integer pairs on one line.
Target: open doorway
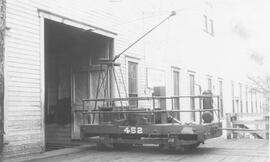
{"points": [[71, 55]]}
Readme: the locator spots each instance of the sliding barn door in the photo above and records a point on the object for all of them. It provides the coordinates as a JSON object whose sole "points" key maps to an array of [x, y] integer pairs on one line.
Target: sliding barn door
{"points": [[80, 90]]}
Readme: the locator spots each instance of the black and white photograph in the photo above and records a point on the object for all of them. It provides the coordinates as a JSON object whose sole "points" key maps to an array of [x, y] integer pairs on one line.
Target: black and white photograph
{"points": [[134, 80]]}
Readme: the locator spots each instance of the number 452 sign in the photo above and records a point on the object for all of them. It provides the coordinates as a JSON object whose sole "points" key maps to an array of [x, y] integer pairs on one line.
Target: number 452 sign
{"points": [[133, 130]]}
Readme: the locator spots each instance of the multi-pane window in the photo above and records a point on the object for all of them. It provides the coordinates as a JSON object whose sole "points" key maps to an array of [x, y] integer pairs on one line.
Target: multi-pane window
{"points": [[208, 25], [176, 90], [192, 92], [133, 82]]}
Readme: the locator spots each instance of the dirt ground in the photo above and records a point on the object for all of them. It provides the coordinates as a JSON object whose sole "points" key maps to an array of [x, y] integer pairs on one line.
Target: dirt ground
{"points": [[238, 150]]}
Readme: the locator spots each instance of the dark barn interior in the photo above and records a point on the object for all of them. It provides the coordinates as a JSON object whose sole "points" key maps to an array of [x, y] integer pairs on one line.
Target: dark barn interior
{"points": [[70, 54]]}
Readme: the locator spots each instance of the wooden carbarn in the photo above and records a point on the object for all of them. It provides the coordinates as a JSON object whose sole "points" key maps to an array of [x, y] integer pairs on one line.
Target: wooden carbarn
{"points": [[51, 52], [52, 48]]}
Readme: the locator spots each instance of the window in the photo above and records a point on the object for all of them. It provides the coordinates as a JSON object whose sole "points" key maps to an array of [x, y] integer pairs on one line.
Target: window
{"points": [[221, 96], [261, 102], [209, 80], [192, 84], [192, 92], [240, 97], [212, 27], [256, 103], [251, 100], [176, 91], [133, 82], [246, 99], [176, 87], [208, 25], [205, 24], [233, 106]]}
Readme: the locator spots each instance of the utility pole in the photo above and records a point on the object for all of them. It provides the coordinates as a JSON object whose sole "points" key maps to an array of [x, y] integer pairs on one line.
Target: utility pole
{"points": [[2, 49]]}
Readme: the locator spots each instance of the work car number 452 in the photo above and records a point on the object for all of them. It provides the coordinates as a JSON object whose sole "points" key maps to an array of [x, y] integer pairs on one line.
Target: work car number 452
{"points": [[133, 130]]}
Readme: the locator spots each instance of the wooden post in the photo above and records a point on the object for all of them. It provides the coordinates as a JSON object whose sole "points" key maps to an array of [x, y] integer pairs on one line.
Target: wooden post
{"points": [[228, 125], [2, 49]]}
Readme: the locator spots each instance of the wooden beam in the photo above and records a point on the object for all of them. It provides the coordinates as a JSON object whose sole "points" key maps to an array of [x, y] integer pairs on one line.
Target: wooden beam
{"points": [[2, 49]]}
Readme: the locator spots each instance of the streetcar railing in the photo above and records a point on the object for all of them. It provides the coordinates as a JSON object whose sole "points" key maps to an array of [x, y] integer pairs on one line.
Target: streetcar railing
{"points": [[152, 108]]}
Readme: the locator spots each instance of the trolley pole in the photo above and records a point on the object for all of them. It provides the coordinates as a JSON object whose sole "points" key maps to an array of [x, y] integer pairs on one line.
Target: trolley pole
{"points": [[2, 49], [173, 13]]}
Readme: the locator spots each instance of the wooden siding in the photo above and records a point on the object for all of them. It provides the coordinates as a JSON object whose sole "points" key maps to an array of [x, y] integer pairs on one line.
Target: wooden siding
{"points": [[24, 119], [24, 68], [2, 78]]}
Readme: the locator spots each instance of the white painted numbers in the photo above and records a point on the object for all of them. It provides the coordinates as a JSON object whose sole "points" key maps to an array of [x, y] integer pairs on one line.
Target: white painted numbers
{"points": [[133, 130]]}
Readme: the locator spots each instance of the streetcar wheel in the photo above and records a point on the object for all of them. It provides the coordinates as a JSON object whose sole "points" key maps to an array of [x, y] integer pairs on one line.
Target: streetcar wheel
{"points": [[191, 147], [102, 146]]}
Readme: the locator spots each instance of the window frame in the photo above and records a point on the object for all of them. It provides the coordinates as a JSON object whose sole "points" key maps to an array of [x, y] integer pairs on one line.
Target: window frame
{"points": [[241, 96], [212, 27], [176, 101], [135, 60], [208, 25], [233, 97], [247, 100], [209, 83], [205, 29], [220, 88], [192, 92], [135, 78]]}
